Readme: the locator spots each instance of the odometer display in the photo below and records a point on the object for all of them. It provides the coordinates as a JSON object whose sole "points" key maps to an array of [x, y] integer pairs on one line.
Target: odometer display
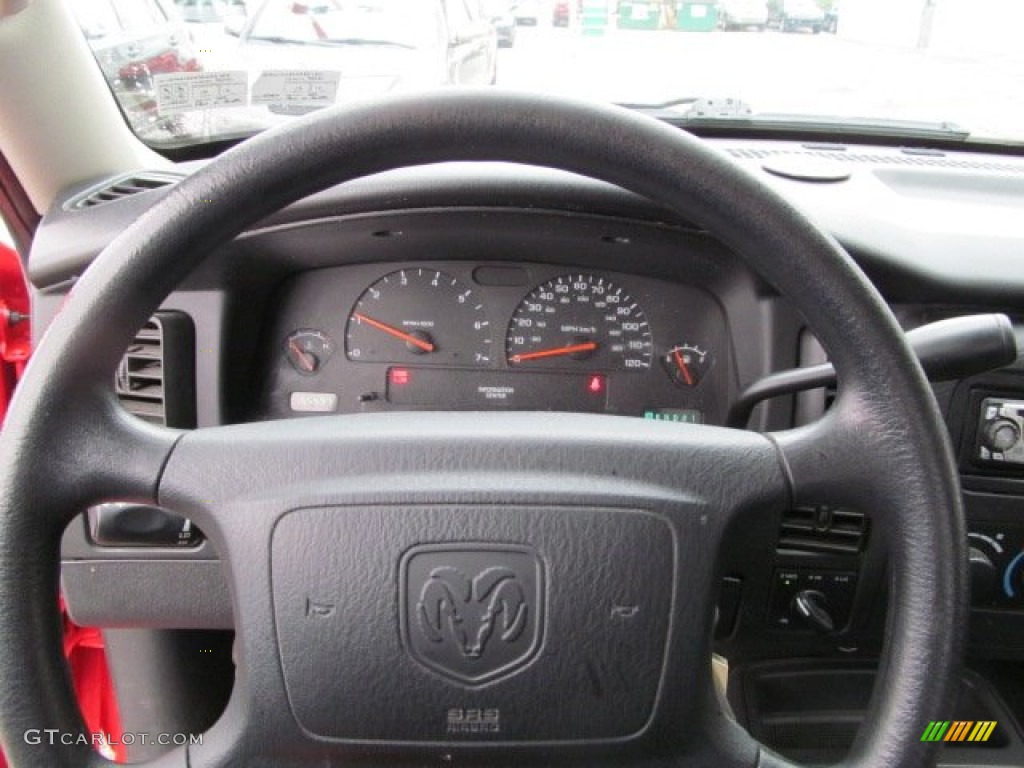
{"points": [[579, 321]]}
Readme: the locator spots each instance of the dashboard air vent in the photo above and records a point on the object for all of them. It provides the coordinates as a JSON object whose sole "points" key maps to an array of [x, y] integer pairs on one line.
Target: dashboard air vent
{"points": [[824, 529], [156, 378], [121, 186]]}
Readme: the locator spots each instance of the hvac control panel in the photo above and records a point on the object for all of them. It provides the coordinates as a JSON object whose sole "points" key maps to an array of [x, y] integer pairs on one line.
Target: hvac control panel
{"points": [[997, 566]]}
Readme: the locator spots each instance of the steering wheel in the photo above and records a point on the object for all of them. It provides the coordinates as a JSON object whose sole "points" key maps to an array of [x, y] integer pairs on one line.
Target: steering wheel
{"points": [[477, 588]]}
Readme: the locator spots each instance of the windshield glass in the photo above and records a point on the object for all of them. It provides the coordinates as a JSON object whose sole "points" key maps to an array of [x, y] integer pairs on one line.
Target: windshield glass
{"points": [[193, 71], [402, 22]]}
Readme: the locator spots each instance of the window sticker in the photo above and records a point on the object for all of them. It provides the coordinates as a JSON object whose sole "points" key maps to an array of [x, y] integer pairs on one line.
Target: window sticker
{"points": [[185, 92], [294, 88]]}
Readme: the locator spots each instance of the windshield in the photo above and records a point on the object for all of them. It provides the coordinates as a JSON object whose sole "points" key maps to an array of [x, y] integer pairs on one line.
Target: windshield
{"points": [[202, 70]]}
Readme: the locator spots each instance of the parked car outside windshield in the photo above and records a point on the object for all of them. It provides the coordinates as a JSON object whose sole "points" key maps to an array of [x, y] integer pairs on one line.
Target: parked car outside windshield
{"points": [[743, 14], [364, 49], [203, 11], [793, 15]]}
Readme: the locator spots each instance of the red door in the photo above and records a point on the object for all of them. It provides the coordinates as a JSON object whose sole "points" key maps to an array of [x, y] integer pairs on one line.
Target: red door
{"points": [[15, 334]]}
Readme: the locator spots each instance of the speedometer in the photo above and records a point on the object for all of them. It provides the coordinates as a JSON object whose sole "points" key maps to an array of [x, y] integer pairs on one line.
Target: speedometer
{"points": [[576, 321]]}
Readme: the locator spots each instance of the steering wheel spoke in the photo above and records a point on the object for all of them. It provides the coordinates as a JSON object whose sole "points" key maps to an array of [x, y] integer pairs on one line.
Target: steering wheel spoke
{"points": [[857, 456], [832, 461], [109, 456]]}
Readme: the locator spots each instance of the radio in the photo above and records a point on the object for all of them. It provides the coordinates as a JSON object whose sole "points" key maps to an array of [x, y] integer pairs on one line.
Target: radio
{"points": [[999, 432]]}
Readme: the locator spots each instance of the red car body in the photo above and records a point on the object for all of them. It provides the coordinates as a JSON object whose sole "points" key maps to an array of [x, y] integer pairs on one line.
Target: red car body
{"points": [[15, 331]]}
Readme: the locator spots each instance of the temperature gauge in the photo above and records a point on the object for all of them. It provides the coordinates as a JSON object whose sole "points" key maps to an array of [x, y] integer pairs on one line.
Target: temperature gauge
{"points": [[307, 350], [686, 364]]}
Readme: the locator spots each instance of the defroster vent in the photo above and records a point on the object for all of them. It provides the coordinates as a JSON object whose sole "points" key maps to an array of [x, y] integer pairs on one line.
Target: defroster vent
{"points": [[824, 529], [156, 378], [122, 186]]}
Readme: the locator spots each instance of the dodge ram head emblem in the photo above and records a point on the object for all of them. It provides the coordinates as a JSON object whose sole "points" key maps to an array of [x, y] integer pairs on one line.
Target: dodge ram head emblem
{"points": [[472, 613]]}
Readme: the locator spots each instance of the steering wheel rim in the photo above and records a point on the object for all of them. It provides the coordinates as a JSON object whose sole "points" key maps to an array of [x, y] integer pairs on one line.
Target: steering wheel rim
{"points": [[67, 444]]}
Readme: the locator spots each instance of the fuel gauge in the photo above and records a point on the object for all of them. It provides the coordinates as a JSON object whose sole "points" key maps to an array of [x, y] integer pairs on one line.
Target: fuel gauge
{"points": [[686, 364], [307, 350]]}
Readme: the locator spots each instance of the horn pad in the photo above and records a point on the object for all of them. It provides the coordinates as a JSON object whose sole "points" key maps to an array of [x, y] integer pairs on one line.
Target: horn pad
{"points": [[534, 625]]}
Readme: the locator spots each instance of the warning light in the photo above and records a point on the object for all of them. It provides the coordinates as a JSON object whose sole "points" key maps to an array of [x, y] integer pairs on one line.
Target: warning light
{"points": [[399, 376], [595, 384]]}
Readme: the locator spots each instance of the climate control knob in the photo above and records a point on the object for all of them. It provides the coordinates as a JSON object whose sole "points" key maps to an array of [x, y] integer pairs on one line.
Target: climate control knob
{"points": [[983, 576], [1001, 435]]}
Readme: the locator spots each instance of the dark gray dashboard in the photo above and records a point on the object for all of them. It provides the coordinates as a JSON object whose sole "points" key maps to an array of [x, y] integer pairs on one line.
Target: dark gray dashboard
{"points": [[927, 225]]}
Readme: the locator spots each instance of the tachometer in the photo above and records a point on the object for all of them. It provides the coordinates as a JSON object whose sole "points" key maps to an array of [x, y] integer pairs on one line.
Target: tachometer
{"points": [[579, 321], [421, 316]]}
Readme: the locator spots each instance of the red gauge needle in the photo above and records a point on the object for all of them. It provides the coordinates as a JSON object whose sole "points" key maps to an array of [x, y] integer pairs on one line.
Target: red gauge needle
{"points": [[572, 348], [301, 354], [683, 367], [426, 346]]}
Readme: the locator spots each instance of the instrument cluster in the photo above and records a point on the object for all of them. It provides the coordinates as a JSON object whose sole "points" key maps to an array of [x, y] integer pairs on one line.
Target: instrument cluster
{"points": [[490, 336]]}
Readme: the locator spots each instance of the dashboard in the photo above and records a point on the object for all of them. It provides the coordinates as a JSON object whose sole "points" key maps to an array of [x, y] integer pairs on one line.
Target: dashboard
{"points": [[466, 335], [490, 287]]}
